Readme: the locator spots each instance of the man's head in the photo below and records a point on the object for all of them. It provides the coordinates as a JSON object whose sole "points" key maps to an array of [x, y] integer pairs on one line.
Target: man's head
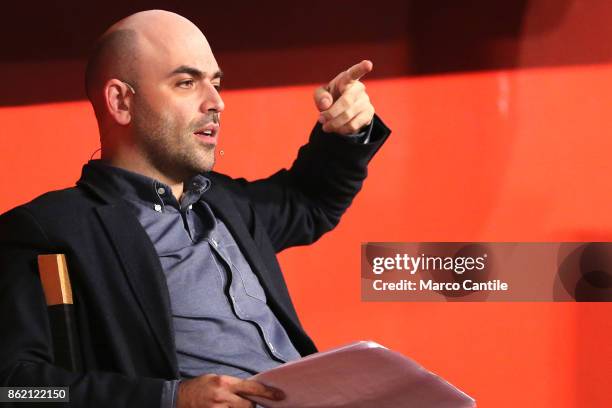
{"points": [[154, 84]]}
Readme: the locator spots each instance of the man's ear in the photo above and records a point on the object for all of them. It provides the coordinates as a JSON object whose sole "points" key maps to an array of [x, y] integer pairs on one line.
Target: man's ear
{"points": [[118, 98]]}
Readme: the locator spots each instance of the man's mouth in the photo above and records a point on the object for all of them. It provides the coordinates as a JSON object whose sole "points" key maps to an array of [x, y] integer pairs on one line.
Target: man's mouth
{"points": [[208, 133]]}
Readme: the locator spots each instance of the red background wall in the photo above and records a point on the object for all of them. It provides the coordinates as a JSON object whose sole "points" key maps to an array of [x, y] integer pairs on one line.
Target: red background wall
{"points": [[501, 132]]}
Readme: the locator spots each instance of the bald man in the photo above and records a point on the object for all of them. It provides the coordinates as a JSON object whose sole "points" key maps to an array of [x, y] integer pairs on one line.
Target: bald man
{"points": [[179, 297]]}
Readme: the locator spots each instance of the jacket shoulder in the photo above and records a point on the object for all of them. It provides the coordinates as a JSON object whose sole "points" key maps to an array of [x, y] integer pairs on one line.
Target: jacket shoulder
{"points": [[68, 203], [60, 201]]}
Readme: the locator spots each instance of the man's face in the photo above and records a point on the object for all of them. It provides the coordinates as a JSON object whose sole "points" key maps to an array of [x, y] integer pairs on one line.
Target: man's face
{"points": [[176, 108]]}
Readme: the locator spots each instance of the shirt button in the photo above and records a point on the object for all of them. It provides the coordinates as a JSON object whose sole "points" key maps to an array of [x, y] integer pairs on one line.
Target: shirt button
{"points": [[271, 346], [161, 191], [190, 206], [157, 207], [213, 242]]}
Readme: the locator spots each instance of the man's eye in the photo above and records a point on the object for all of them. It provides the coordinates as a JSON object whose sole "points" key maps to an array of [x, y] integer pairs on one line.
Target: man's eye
{"points": [[187, 84], [217, 87]]}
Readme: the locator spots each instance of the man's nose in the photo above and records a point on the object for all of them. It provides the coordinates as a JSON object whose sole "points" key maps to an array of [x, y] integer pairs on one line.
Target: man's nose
{"points": [[212, 100]]}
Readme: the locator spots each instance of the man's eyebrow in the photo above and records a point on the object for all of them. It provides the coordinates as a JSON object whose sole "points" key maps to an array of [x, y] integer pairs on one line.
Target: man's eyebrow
{"points": [[194, 72]]}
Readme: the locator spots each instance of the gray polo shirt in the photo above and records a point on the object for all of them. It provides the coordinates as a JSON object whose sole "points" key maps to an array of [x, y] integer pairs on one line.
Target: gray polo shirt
{"points": [[221, 321]]}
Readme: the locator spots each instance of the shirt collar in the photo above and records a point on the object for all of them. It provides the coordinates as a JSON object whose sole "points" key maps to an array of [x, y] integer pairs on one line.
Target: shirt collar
{"points": [[137, 187]]}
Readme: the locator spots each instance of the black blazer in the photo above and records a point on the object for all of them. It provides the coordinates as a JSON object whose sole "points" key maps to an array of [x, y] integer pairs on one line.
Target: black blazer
{"points": [[120, 295]]}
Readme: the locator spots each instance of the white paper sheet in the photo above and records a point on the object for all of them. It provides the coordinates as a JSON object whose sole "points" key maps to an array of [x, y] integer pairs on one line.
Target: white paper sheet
{"points": [[360, 375]]}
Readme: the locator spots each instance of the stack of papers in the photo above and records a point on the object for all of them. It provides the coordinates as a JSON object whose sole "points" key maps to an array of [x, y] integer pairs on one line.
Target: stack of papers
{"points": [[360, 375]]}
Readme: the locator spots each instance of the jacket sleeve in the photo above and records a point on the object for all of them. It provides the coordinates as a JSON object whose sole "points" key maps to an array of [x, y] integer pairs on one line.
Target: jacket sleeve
{"points": [[26, 357], [298, 205]]}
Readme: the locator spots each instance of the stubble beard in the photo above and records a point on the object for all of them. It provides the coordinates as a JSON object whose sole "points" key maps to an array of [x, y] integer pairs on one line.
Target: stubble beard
{"points": [[170, 147]]}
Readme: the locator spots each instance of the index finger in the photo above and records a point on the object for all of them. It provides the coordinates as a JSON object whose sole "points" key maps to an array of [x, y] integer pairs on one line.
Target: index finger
{"points": [[257, 389], [359, 70]]}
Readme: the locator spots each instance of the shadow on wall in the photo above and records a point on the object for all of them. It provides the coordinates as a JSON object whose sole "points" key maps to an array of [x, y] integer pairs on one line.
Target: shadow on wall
{"points": [[280, 43]]}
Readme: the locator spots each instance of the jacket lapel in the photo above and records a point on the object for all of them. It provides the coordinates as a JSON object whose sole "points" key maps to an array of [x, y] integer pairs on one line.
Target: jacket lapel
{"points": [[139, 260], [143, 272]]}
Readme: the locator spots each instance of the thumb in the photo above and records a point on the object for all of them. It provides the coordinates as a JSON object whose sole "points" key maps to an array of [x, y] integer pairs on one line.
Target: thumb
{"points": [[323, 99]]}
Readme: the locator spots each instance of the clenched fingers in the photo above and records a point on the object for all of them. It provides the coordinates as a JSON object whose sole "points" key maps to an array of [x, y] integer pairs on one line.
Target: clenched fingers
{"points": [[354, 125], [349, 113]]}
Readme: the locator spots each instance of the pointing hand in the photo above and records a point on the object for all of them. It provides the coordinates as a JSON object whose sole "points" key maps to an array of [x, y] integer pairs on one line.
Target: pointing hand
{"points": [[344, 104]]}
